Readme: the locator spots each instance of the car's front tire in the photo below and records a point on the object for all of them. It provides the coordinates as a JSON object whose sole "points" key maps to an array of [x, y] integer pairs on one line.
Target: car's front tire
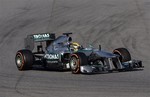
{"points": [[123, 53], [24, 59], [77, 60]]}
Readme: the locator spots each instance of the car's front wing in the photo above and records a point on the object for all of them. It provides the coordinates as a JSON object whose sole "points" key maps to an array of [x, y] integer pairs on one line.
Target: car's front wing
{"points": [[109, 66]]}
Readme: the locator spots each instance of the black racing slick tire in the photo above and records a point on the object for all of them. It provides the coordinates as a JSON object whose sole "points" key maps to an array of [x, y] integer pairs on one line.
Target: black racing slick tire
{"points": [[24, 59], [124, 54], [77, 60]]}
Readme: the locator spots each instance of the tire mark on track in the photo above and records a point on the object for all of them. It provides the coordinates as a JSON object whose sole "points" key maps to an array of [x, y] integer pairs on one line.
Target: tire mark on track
{"points": [[13, 24], [142, 16], [17, 84], [14, 88], [116, 26]]}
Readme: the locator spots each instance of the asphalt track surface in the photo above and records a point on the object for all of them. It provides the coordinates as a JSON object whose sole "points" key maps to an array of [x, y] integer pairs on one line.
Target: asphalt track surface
{"points": [[111, 23]]}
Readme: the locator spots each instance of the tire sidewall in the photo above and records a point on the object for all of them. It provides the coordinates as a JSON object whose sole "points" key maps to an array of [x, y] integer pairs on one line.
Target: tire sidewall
{"points": [[19, 54], [27, 59]]}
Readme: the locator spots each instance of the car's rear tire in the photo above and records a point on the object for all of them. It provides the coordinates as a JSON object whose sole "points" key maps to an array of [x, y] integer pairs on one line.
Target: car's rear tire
{"points": [[123, 53], [77, 60], [24, 59]]}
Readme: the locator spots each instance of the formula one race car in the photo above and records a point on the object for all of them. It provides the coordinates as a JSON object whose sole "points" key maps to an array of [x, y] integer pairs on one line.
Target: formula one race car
{"points": [[62, 54]]}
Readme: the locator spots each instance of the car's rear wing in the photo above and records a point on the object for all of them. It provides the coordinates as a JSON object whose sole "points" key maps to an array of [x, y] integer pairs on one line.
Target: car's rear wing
{"points": [[43, 37]]}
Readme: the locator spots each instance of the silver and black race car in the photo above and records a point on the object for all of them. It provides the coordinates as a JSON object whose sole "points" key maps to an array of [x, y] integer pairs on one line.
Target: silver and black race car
{"points": [[62, 54]]}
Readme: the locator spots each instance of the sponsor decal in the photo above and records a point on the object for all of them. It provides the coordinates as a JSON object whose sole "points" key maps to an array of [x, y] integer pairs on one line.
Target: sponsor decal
{"points": [[52, 62], [41, 36], [51, 56]]}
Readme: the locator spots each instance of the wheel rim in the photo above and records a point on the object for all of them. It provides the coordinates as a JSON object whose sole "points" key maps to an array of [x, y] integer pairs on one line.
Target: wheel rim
{"points": [[74, 63], [19, 60]]}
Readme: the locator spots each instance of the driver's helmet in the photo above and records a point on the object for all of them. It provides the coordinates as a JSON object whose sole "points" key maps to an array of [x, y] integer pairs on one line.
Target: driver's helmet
{"points": [[75, 46]]}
